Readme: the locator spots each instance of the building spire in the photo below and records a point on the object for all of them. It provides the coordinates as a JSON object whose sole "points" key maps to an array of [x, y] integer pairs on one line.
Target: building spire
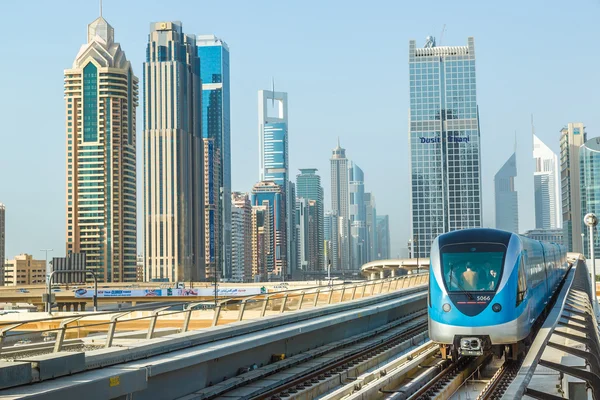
{"points": [[273, 91], [339, 142], [100, 8]]}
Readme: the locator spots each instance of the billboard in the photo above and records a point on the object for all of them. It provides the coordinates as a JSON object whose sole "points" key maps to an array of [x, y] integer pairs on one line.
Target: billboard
{"points": [[200, 292]]}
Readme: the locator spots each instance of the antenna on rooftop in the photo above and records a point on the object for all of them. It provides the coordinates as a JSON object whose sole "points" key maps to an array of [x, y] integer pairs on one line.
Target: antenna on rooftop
{"points": [[442, 34], [100, 7], [273, 91]]}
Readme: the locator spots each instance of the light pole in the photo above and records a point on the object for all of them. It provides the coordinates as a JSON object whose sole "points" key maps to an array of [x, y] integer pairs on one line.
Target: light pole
{"points": [[591, 221], [582, 246], [47, 273]]}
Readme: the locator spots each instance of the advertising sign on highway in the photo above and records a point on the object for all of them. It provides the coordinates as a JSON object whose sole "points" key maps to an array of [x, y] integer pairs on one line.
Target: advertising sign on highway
{"points": [[221, 292]]}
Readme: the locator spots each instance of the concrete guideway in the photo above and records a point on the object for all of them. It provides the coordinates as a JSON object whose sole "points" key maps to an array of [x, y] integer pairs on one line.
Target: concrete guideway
{"points": [[176, 365]]}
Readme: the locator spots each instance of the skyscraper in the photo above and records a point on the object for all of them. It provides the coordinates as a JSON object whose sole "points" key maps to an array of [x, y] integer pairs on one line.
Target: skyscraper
{"points": [[371, 220], [212, 209], [445, 168], [330, 242], [241, 237], [216, 124], [572, 137], [546, 187], [2, 241], [270, 197], [589, 156], [383, 237], [507, 199], [173, 173], [339, 206], [101, 96], [262, 242], [291, 235], [358, 216], [308, 186]]}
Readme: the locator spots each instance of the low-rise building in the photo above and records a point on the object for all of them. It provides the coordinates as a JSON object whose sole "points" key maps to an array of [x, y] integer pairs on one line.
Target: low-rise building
{"points": [[24, 270], [546, 235]]}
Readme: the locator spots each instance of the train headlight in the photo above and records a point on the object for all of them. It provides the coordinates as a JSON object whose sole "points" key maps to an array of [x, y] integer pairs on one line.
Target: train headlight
{"points": [[446, 307], [497, 307]]}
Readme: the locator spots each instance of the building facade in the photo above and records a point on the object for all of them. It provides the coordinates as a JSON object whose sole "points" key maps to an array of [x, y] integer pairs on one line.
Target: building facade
{"points": [[308, 186], [444, 138], [101, 96], [383, 237], [241, 237], [371, 212], [72, 262], [546, 187], [546, 235], [173, 160], [572, 137], [358, 216], [270, 198], [212, 210], [589, 161], [340, 201], [330, 242], [2, 241], [216, 124], [24, 270], [507, 198]]}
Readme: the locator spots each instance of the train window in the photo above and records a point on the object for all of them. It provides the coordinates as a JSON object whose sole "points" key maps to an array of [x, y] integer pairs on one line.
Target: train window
{"points": [[521, 283], [472, 266]]}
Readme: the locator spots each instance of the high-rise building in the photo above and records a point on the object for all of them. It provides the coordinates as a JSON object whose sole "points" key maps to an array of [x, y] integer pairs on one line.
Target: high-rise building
{"points": [[24, 270], [212, 209], [173, 172], [291, 230], [507, 199], [546, 187], [340, 202], [358, 216], [371, 220], [330, 242], [216, 124], [308, 186], [444, 137], [101, 96], [572, 137], [383, 237], [589, 160], [2, 241], [302, 240], [241, 237], [262, 242], [270, 196]]}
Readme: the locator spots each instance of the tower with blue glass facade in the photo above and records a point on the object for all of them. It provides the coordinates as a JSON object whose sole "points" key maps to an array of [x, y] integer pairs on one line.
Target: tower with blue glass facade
{"points": [[506, 197], [589, 172], [216, 127], [173, 156], [444, 138], [101, 96], [358, 216]]}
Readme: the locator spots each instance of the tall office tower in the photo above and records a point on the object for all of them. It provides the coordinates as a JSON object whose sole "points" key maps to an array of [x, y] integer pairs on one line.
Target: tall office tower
{"points": [[173, 173], [212, 209], [507, 199], [330, 242], [340, 202], [301, 224], [383, 237], [241, 237], [308, 186], [2, 241], [371, 223], [262, 240], [101, 96], [444, 141], [589, 156], [358, 216], [270, 196], [216, 124], [572, 137], [546, 187], [273, 156], [291, 236]]}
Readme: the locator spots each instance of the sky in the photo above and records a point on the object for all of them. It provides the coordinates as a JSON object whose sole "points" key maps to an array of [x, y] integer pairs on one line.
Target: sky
{"points": [[344, 65]]}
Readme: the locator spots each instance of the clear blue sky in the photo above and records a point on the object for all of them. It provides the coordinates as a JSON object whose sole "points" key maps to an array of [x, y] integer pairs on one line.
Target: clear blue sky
{"points": [[344, 66]]}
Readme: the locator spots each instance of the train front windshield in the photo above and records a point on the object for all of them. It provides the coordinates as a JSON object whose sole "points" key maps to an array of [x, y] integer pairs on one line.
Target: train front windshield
{"points": [[472, 266]]}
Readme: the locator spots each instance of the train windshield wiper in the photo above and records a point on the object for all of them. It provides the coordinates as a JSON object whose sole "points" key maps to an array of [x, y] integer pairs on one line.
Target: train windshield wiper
{"points": [[462, 289]]}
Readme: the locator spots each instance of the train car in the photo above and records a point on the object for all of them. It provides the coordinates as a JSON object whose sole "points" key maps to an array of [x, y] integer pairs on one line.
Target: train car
{"points": [[487, 287]]}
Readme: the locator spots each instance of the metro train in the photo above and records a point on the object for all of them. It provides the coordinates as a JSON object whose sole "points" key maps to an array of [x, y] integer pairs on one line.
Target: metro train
{"points": [[487, 288]]}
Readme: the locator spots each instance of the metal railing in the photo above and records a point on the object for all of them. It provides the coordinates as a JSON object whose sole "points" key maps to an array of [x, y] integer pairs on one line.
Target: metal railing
{"points": [[226, 311]]}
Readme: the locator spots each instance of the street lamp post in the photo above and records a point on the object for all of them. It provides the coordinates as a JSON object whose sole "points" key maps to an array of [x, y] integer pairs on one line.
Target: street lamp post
{"points": [[591, 221], [582, 246], [47, 273]]}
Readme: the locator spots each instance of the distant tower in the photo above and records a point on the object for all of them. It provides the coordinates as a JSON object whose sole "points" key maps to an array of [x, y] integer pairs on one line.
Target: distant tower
{"points": [[358, 216], [173, 162], [241, 234], [371, 220], [308, 186], [340, 201], [444, 140], [2, 241], [101, 96], [546, 187], [572, 137], [507, 200], [589, 155]]}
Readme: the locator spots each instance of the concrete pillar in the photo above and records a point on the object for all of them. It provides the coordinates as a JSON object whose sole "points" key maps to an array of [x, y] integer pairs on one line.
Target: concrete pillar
{"points": [[393, 272], [75, 306], [82, 305], [382, 274], [61, 307], [373, 276]]}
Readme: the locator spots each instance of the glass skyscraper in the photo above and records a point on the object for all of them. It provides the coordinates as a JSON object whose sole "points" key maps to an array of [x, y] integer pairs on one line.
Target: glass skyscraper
{"points": [[358, 216], [444, 141], [589, 161], [572, 137], [546, 187], [507, 199], [216, 126], [101, 96], [340, 202], [308, 186]]}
